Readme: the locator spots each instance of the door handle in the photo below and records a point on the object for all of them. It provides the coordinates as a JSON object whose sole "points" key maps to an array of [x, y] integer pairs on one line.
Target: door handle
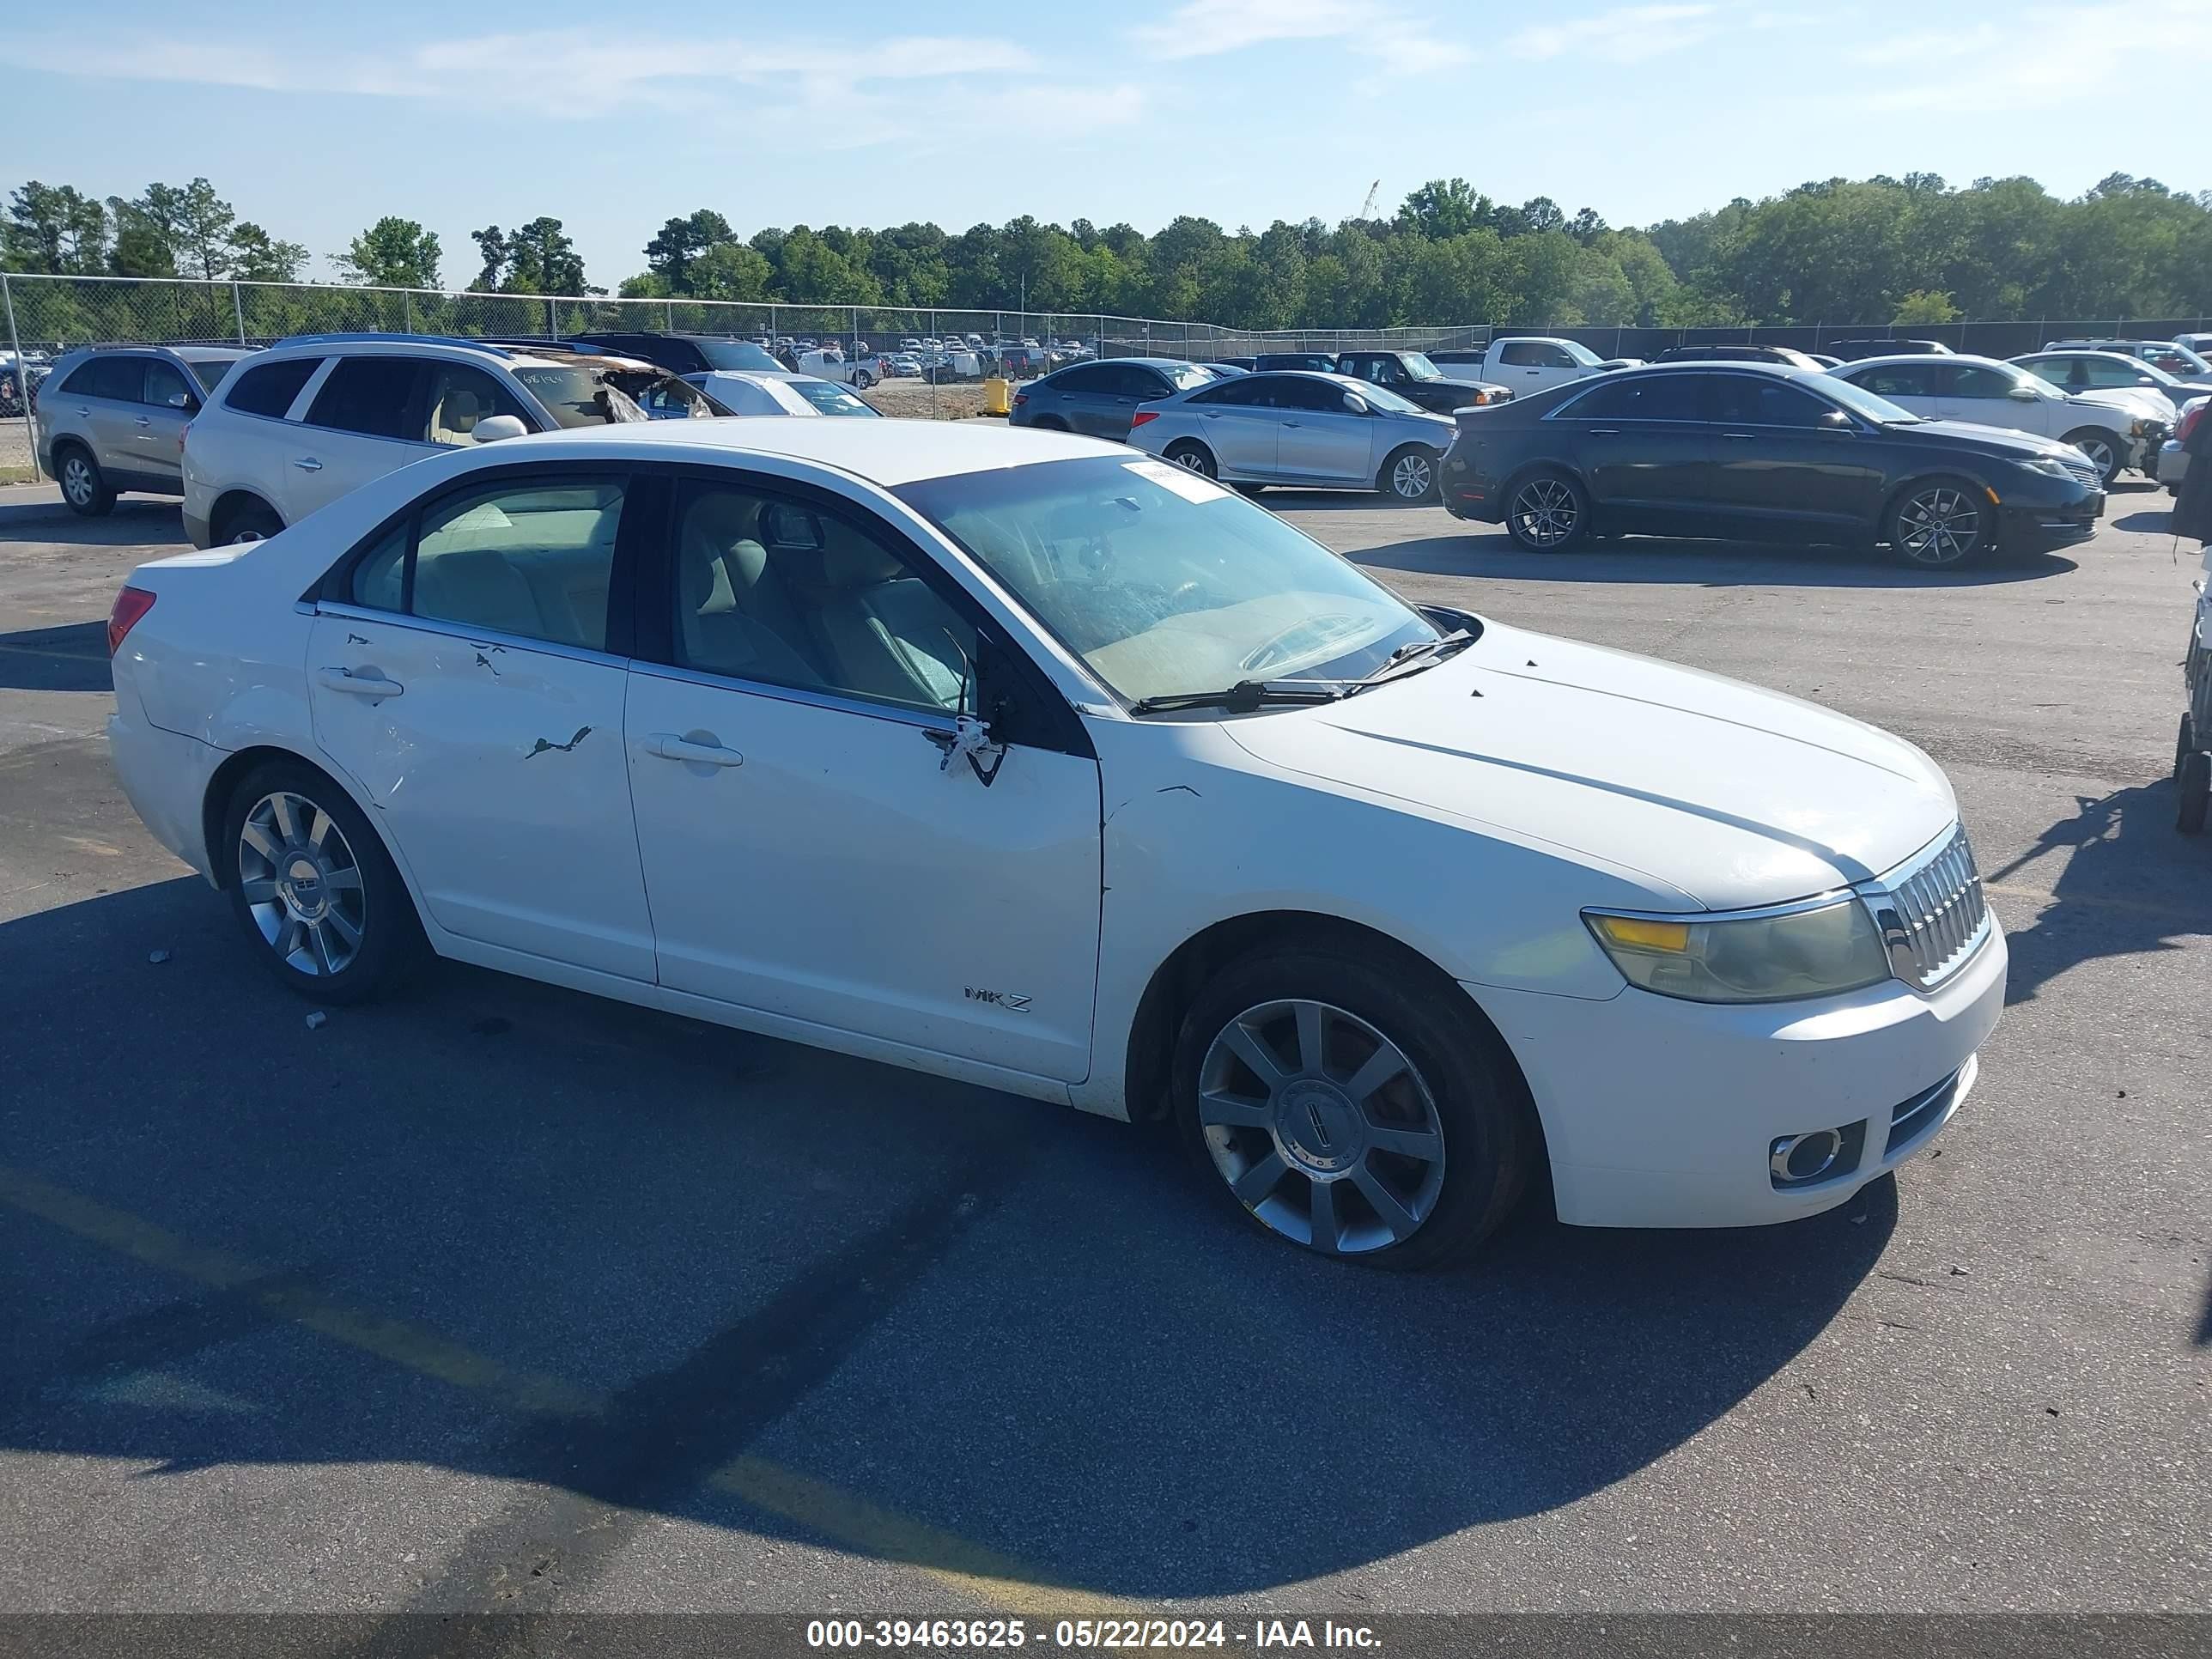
{"points": [[1738, 437], [1293, 423], [359, 685], [306, 464], [142, 421], [1605, 432], [666, 745]]}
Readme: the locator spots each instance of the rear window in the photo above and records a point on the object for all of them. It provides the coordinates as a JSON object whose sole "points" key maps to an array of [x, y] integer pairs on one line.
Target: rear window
{"points": [[270, 388], [741, 355], [371, 396], [209, 371], [831, 399]]}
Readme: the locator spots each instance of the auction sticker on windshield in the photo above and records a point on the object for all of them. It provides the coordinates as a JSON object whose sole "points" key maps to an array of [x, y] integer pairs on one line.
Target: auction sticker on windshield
{"points": [[1191, 486]]}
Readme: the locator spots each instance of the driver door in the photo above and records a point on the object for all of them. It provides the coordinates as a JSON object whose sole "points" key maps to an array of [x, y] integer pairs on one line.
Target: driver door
{"points": [[1318, 439], [813, 853]]}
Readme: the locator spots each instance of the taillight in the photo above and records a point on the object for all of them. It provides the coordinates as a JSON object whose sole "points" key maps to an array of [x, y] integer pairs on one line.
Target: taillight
{"points": [[2189, 420], [131, 603], [1141, 416], [1020, 398]]}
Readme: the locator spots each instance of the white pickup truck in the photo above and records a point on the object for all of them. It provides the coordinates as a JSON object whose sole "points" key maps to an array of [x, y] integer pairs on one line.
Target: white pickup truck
{"points": [[1529, 363]]}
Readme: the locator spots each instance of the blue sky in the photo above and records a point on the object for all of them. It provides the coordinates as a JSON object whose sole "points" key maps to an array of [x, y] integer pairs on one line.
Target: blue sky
{"points": [[315, 119]]}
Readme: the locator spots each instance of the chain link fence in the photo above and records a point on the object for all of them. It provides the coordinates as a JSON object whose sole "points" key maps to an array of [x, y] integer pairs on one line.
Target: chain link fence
{"points": [[44, 316]]}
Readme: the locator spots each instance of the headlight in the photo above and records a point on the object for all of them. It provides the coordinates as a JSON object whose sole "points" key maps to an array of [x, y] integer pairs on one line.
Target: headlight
{"points": [[1747, 958], [2135, 429], [2049, 466]]}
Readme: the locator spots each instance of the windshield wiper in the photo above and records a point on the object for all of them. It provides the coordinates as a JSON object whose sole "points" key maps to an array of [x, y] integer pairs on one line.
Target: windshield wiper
{"points": [[1244, 697], [1411, 658]]}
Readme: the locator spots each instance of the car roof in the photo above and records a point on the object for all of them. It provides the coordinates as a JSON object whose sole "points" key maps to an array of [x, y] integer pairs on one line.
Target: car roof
{"points": [[1919, 359], [886, 452]]}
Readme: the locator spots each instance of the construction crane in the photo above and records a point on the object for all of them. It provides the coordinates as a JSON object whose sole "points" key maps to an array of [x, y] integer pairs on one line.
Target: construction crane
{"points": [[1367, 207]]}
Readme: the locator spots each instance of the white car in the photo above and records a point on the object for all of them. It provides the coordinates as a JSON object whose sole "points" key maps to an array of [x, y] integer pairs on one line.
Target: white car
{"points": [[1021, 759], [777, 394], [294, 427], [2104, 426]]}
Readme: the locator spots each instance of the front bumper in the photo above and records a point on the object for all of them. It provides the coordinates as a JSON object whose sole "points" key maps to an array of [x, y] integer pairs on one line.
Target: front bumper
{"points": [[1660, 1113], [2173, 462], [2025, 527]]}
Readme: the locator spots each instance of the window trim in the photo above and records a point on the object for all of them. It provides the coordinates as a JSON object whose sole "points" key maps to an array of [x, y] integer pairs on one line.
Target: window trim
{"points": [[331, 593], [1600, 382], [1059, 728]]}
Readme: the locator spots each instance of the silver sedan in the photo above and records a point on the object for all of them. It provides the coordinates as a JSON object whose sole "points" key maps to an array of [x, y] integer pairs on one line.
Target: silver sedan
{"points": [[1298, 427]]}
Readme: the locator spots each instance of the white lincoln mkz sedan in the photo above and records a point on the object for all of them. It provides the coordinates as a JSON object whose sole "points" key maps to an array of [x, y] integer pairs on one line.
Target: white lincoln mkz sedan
{"points": [[1025, 759]]}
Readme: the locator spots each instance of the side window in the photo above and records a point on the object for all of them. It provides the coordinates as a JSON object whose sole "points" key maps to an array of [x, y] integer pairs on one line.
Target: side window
{"points": [[1243, 393], [268, 388], [528, 558], [1897, 381], [2102, 373], [1318, 396], [1973, 380], [122, 379], [380, 579], [772, 591], [1521, 354], [1092, 379], [371, 396], [1131, 380], [1552, 356], [1754, 400], [460, 395], [79, 384], [1639, 398], [166, 388]]}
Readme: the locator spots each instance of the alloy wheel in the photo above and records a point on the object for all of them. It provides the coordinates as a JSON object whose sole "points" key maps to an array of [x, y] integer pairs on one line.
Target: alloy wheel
{"points": [[1192, 459], [301, 884], [1545, 512], [1412, 477], [1940, 525], [1323, 1128], [2101, 454], [77, 481]]}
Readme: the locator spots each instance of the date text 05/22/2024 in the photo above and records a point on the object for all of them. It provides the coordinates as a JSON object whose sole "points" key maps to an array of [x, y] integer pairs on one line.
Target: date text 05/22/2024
{"points": [[1088, 1635]]}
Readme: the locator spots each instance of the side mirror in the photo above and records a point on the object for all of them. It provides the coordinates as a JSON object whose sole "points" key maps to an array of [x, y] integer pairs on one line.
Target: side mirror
{"points": [[1354, 404], [1835, 420], [493, 427], [181, 400], [2024, 394]]}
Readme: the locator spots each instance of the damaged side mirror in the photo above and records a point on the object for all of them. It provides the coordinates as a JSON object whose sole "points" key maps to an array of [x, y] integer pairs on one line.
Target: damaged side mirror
{"points": [[971, 733]]}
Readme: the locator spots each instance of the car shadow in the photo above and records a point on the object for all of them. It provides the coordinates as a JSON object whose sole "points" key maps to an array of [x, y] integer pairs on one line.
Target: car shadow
{"points": [[72, 657], [133, 521], [1025, 1329], [2115, 895], [1637, 560]]}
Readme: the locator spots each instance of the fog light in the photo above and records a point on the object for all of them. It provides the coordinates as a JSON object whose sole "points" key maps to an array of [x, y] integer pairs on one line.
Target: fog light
{"points": [[1800, 1160]]}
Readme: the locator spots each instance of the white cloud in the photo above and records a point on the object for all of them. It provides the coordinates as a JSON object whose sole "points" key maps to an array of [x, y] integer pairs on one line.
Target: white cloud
{"points": [[1626, 34], [2049, 53], [1200, 28]]}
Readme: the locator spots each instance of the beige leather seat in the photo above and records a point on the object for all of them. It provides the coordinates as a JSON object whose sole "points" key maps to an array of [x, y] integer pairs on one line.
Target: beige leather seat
{"points": [[454, 420], [736, 616], [886, 634]]}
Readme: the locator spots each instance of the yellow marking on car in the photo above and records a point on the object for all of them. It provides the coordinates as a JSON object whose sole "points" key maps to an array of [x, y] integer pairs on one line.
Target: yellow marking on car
{"points": [[968, 1568]]}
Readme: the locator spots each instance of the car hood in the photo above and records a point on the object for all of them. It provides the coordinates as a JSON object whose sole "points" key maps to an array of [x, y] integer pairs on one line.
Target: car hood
{"points": [[2141, 401], [2001, 441], [1718, 794]]}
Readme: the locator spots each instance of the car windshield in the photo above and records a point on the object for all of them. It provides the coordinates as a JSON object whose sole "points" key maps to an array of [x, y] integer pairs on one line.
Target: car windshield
{"points": [[1582, 354], [581, 397], [831, 399], [1382, 397], [209, 371], [1164, 582], [741, 355], [1420, 366], [1860, 401], [1187, 375]]}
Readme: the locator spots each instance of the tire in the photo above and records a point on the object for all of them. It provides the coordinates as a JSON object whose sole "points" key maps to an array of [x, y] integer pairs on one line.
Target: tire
{"points": [[2098, 445], [2196, 782], [1191, 455], [333, 923], [1939, 524], [251, 521], [2183, 746], [1250, 492], [862, 379], [1457, 1091], [1408, 476], [84, 486], [1546, 511]]}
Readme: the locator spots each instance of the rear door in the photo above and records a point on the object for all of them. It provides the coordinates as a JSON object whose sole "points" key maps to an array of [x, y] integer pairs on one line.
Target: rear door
{"points": [[1319, 440], [1916, 387], [1780, 468], [1972, 391], [365, 418], [1644, 445], [1531, 365], [467, 671], [1237, 420], [1086, 399], [109, 406]]}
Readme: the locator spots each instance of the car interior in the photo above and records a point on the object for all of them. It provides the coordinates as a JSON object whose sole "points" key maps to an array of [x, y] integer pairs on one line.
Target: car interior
{"points": [[771, 591], [535, 562]]}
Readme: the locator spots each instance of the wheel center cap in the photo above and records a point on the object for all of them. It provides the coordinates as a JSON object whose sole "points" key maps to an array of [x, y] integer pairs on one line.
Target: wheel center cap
{"points": [[304, 890], [1319, 1127]]}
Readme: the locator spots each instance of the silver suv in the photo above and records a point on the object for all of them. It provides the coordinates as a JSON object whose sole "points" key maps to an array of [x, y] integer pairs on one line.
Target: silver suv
{"points": [[112, 418], [319, 415]]}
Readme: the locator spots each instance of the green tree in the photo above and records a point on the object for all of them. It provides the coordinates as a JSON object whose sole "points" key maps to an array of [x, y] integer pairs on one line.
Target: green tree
{"points": [[1925, 305], [54, 229], [670, 254], [730, 270], [1443, 208], [394, 252], [255, 256], [496, 255], [543, 260]]}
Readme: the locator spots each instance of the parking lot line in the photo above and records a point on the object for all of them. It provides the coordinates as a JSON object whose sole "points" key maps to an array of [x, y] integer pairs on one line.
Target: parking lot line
{"points": [[968, 1568]]}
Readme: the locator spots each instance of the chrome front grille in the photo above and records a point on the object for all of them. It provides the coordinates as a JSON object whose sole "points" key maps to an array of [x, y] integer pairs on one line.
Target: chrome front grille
{"points": [[2085, 472], [1931, 913]]}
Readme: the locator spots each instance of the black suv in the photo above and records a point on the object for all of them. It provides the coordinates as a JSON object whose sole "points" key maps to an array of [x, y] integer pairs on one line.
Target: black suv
{"points": [[1413, 377], [1851, 351], [1745, 453], [1780, 356], [683, 354]]}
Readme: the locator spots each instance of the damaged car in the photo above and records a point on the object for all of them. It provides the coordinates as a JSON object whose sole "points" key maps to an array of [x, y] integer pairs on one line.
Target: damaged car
{"points": [[1025, 760]]}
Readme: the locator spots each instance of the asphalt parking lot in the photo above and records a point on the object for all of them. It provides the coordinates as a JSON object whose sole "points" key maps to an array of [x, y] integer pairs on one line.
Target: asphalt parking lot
{"points": [[496, 1297]]}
